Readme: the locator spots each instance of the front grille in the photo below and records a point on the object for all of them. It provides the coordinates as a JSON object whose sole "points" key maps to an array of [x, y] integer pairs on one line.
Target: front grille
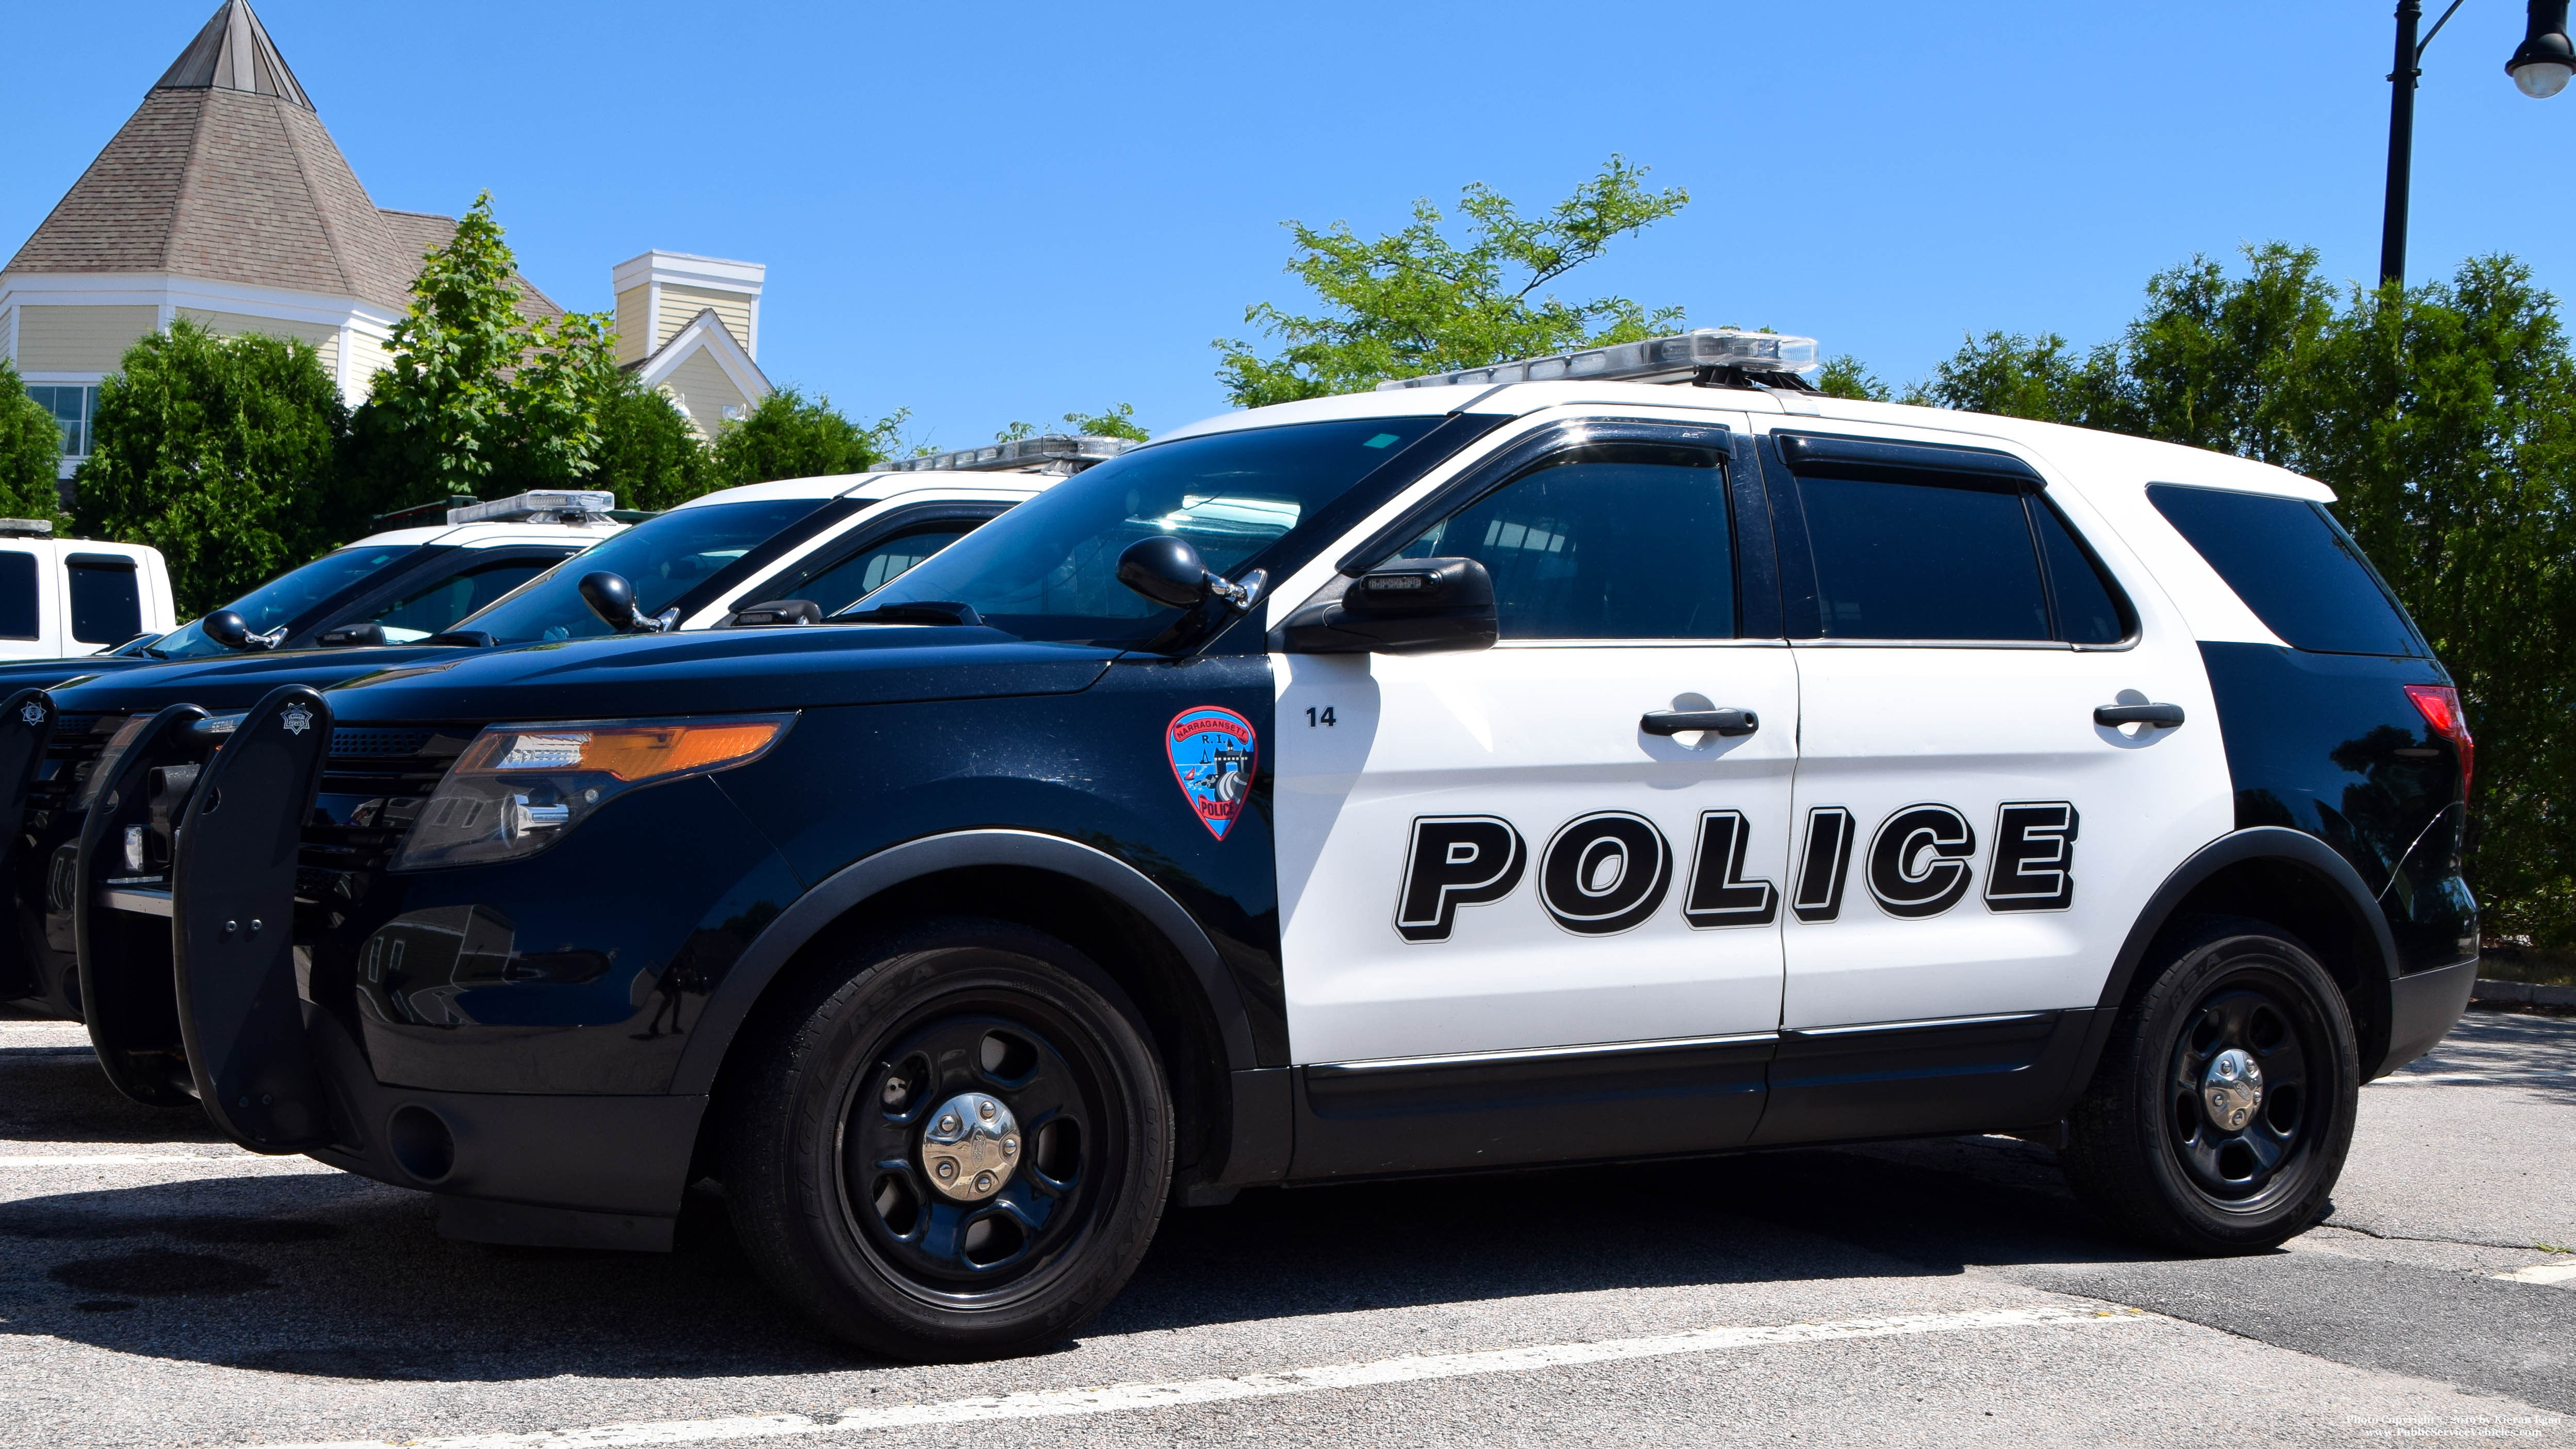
{"points": [[373, 785], [362, 743], [70, 756]]}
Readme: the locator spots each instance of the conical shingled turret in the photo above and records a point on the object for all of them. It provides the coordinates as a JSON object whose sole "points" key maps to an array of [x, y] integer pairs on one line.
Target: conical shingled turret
{"points": [[234, 53], [225, 173]]}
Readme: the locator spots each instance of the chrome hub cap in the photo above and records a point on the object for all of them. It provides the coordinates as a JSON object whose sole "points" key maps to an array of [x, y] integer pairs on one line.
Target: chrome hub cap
{"points": [[2232, 1089], [971, 1146]]}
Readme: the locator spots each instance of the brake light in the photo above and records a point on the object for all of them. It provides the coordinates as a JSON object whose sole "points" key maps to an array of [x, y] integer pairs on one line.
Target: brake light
{"points": [[2440, 706]]}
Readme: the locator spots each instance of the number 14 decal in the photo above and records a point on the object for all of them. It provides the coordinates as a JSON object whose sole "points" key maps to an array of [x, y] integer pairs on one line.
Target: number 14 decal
{"points": [[1313, 719]]}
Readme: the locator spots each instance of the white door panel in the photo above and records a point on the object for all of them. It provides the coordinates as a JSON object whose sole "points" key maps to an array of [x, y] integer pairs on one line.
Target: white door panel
{"points": [[2041, 896], [1538, 736], [1975, 729]]}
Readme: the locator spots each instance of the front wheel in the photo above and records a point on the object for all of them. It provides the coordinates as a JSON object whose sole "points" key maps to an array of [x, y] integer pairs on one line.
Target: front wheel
{"points": [[2223, 1107], [954, 1146]]}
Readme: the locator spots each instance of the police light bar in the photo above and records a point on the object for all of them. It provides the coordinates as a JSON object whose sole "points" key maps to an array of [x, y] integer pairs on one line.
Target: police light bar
{"points": [[548, 505], [26, 528], [1046, 453], [1686, 357]]}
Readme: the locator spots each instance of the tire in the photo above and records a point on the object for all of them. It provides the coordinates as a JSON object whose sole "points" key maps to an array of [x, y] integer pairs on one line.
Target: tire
{"points": [[828, 1160], [2150, 1151]]}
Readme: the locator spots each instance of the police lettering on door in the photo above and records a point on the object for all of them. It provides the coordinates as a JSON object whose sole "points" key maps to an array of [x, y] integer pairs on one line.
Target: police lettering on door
{"points": [[1611, 870]]}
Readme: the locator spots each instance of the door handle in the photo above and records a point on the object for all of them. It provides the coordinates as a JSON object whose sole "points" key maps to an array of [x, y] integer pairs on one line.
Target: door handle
{"points": [[1715, 721], [2162, 716]]}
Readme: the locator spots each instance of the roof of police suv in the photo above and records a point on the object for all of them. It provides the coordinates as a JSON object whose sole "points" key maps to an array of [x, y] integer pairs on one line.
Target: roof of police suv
{"points": [[2085, 458], [2106, 473]]}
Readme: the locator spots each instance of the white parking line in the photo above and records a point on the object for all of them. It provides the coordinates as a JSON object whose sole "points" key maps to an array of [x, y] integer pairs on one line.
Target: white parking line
{"points": [[140, 1159], [2477, 1079], [1129, 1398], [109, 1159], [2542, 1273]]}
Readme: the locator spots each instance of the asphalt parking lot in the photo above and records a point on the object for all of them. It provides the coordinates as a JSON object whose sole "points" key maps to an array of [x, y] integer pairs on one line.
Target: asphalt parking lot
{"points": [[159, 1287]]}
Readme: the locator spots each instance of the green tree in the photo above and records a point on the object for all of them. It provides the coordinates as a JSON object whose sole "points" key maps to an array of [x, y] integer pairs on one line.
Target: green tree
{"points": [[31, 449], [434, 420], [2234, 364], [1117, 421], [2027, 377], [1413, 301], [219, 452], [547, 431], [2444, 417], [1847, 376], [649, 452], [790, 436]]}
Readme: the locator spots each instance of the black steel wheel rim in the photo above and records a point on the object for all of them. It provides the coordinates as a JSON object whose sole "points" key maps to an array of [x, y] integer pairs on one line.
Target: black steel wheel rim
{"points": [[1049, 1072], [2249, 1168]]}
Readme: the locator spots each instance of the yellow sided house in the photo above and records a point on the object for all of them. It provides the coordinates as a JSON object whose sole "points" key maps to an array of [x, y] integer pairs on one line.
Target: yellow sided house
{"points": [[224, 200]]}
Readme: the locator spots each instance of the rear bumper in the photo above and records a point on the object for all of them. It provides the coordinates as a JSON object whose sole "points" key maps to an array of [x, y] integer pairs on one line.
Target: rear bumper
{"points": [[2422, 1009]]}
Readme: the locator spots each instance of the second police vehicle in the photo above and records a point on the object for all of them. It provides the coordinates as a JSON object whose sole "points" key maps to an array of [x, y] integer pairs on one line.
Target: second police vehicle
{"points": [[513, 572], [1619, 755]]}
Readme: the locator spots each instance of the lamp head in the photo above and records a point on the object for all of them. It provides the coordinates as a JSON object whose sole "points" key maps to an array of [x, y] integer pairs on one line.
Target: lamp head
{"points": [[2545, 61]]}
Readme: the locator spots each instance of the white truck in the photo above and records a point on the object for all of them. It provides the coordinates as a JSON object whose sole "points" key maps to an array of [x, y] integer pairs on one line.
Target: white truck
{"points": [[66, 597]]}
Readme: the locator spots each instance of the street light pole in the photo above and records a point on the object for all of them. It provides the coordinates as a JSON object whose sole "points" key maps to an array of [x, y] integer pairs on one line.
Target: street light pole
{"points": [[2540, 67], [2401, 139]]}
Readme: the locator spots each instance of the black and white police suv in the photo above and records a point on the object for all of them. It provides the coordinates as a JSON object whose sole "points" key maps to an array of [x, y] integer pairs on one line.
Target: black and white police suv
{"points": [[1619, 755]]}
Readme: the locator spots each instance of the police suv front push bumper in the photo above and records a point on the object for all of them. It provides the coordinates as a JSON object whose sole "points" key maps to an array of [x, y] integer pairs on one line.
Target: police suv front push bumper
{"points": [[185, 918]]}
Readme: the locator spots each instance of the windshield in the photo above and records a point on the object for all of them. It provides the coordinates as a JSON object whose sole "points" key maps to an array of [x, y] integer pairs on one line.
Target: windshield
{"points": [[290, 596], [662, 557], [1048, 569]]}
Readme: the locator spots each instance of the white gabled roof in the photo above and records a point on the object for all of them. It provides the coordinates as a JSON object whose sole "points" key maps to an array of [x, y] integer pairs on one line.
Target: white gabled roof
{"points": [[706, 330]]}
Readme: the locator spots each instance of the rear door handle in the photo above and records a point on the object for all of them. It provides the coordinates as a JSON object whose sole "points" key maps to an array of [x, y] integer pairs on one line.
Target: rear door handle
{"points": [[1715, 721], [2162, 716]]}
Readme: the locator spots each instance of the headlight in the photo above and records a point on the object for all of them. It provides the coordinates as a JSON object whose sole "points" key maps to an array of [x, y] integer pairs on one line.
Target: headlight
{"points": [[520, 788]]}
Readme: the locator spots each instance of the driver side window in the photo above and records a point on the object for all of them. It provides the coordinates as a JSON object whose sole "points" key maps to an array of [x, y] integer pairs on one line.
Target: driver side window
{"points": [[837, 586], [1607, 541]]}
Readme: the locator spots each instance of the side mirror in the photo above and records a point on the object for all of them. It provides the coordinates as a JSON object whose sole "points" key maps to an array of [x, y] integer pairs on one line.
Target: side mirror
{"points": [[232, 631], [613, 599], [1171, 573], [1166, 570], [1414, 606], [352, 636]]}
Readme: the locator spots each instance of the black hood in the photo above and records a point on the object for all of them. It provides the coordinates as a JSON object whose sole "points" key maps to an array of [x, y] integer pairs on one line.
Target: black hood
{"points": [[711, 672], [223, 682], [20, 674]]}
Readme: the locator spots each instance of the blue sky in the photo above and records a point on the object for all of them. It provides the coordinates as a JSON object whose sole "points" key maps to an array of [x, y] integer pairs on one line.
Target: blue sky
{"points": [[1005, 211]]}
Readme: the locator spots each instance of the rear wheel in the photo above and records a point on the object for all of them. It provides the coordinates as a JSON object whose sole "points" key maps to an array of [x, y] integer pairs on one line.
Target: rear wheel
{"points": [[955, 1146], [2222, 1110]]}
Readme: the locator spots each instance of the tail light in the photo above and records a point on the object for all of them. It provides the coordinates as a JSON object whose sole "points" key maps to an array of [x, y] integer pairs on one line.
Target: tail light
{"points": [[2440, 706]]}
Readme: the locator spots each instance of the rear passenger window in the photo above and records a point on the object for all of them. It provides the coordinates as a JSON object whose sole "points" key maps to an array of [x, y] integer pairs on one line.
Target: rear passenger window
{"points": [[1611, 541], [107, 606], [18, 596], [2293, 565], [1922, 561], [2088, 612]]}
